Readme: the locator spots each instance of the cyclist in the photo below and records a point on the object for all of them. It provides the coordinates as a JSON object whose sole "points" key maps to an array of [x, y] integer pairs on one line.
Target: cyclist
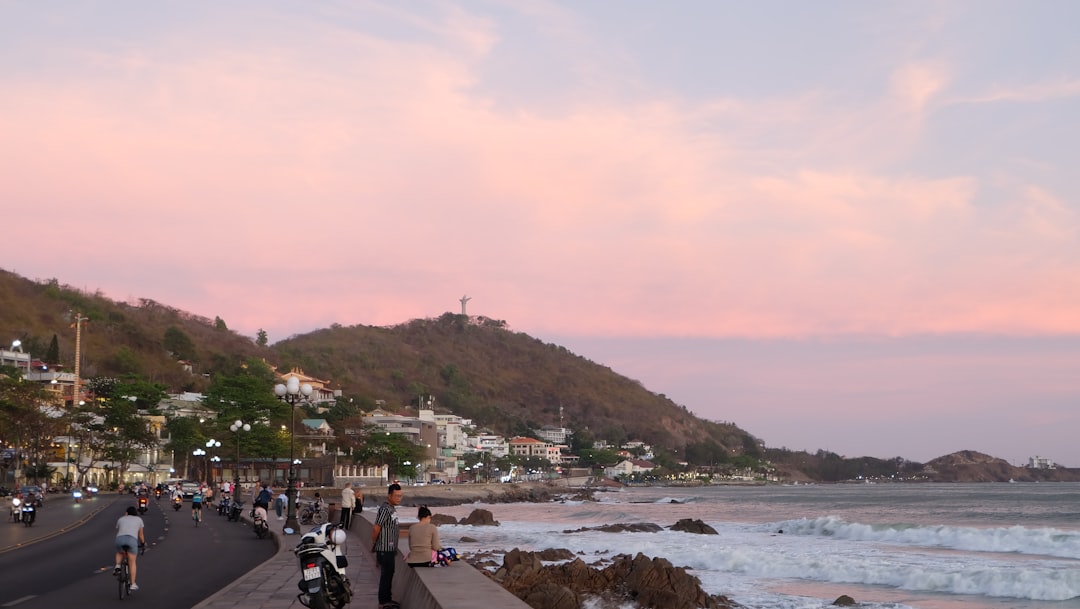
{"points": [[196, 504], [129, 537]]}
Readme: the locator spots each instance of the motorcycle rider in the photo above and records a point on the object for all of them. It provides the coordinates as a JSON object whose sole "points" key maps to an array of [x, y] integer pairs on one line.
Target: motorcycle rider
{"points": [[259, 517], [129, 532], [263, 498]]}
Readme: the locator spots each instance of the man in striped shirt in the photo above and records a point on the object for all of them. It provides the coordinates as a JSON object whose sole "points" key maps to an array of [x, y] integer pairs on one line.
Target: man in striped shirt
{"points": [[385, 534]]}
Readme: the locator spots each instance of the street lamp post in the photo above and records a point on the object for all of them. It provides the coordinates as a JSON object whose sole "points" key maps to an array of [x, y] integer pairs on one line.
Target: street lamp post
{"points": [[292, 392], [198, 452], [236, 428], [213, 444]]}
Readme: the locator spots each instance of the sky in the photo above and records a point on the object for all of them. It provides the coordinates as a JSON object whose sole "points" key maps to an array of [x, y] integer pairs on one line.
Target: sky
{"points": [[846, 226]]}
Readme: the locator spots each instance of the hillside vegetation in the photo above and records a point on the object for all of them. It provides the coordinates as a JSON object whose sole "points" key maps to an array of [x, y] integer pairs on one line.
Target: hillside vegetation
{"points": [[506, 381], [475, 367]]}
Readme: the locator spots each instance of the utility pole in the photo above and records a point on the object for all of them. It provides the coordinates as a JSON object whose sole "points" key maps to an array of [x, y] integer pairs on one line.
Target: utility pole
{"points": [[79, 319]]}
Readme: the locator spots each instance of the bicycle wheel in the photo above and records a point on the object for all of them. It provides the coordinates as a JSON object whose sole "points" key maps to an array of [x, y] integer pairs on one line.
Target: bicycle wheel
{"points": [[123, 579], [319, 517]]}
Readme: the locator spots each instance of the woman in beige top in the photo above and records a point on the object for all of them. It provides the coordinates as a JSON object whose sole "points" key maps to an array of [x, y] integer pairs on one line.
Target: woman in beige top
{"points": [[423, 540]]}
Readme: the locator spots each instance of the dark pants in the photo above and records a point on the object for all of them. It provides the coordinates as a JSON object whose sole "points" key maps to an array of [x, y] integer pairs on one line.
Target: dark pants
{"points": [[346, 518], [386, 561]]}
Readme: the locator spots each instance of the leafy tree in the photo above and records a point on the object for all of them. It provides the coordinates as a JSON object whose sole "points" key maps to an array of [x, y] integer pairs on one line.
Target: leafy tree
{"points": [[87, 429], [260, 338], [185, 435], [706, 453], [39, 471], [178, 343], [373, 445], [596, 457], [247, 395], [52, 356], [219, 324], [28, 418], [127, 361], [581, 439], [129, 433]]}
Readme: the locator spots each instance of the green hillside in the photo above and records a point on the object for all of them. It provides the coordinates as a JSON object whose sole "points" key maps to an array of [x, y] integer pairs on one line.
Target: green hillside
{"points": [[506, 381]]}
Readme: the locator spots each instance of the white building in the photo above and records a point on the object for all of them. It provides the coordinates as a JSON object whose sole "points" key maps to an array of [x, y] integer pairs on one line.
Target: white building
{"points": [[1038, 462], [628, 467]]}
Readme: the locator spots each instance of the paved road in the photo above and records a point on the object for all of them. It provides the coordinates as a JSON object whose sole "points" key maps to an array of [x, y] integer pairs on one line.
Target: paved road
{"points": [[66, 557]]}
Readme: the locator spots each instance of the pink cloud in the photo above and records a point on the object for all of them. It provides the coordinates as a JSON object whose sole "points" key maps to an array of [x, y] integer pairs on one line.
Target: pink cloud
{"points": [[383, 173]]}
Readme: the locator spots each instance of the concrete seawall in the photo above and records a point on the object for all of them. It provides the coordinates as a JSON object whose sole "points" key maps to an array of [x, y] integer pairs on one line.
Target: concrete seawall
{"points": [[457, 586]]}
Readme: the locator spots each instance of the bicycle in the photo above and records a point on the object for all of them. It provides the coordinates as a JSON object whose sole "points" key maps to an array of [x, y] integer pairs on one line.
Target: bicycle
{"points": [[309, 515], [123, 576], [196, 515]]}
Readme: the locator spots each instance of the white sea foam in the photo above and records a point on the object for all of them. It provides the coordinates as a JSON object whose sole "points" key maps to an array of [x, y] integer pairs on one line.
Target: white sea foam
{"points": [[1037, 541], [935, 562], [735, 562]]}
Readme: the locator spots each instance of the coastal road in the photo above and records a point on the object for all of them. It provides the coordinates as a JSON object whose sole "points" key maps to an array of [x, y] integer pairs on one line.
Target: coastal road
{"points": [[50, 567]]}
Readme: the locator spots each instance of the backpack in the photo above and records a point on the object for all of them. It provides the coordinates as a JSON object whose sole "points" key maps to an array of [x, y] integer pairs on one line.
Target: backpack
{"points": [[264, 496], [445, 556]]}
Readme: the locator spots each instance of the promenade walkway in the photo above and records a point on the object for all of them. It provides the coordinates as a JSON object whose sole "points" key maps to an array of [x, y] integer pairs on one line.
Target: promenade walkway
{"points": [[272, 585]]}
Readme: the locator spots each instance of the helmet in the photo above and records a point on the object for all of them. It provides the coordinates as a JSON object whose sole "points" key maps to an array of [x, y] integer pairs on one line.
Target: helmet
{"points": [[338, 536]]}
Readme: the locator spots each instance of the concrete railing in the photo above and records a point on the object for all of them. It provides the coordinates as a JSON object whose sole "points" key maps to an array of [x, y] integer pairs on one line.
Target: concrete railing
{"points": [[457, 586]]}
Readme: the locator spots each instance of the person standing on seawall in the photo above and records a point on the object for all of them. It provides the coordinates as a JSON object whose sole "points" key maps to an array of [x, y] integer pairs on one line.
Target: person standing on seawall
{"points": [[385, 534], [348, 502]]}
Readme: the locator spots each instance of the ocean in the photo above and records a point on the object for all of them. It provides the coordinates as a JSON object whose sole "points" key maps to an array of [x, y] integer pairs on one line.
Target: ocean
{"points": [[889, 546]]}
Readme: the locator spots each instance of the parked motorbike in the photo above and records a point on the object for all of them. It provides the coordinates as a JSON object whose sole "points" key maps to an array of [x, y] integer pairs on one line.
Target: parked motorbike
{"points": [[323, 583], [29, 513], [77, 495], [259, 523], [236, 508], [177, 503], [143, 504]]}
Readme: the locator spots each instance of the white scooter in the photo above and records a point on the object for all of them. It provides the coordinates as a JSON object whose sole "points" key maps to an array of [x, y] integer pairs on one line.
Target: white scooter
{"points": [[323, 583]]}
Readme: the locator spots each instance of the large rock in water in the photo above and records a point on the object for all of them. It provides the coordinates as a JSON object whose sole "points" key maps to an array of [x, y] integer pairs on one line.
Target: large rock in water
{"points": [[438, 519], [481, 518], [693, 526], [651, 583]]}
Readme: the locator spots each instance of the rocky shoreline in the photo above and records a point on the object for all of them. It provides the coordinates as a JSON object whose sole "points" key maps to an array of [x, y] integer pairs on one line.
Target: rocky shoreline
{"points": [[436, 495]]}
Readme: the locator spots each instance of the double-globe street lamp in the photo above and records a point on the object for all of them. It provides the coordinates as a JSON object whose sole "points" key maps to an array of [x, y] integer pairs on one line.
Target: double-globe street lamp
{"points": [[236, 428], [292, 392], [198, 452], [212, 444]]}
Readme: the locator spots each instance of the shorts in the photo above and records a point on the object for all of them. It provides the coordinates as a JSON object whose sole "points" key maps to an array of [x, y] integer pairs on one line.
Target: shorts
{"points": [[127, 543], [196, 506]]}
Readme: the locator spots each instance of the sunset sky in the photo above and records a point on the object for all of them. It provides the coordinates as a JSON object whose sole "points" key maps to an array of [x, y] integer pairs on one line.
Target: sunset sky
{"points": [[847, 226]]}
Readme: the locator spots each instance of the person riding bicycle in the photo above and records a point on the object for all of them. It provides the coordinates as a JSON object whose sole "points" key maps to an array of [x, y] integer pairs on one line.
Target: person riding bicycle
{"points": [[196, 504], [129, 538]]}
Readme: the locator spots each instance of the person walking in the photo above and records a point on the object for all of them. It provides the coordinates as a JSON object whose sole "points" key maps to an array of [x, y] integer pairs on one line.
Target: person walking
{"points": [[385, 534], [281, 504], [348, 502]]}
